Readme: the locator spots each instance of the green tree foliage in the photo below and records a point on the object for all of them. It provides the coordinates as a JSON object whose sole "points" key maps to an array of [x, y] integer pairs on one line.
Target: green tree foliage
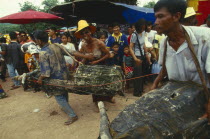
{"points": [[150, 4], [68, 0], [6, 28], [27, 6], [49, 4]]}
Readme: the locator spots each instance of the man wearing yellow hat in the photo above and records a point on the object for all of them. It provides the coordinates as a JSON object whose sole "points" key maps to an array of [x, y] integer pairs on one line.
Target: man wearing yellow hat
{"points": [[190, 17], [207, 22], [92, 46]]}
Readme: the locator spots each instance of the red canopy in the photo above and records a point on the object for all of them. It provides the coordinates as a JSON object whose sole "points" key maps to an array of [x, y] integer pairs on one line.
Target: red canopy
{"points": [[29, 16]]}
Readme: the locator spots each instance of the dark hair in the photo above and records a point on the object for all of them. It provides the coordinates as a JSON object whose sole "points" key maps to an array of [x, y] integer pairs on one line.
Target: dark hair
{"points": [[72, 38], [115, 24], [173, 6], [13, 35], [41, 35], [53, 28], [3, 40], [126, 47], [65, 34], [149, 23], [22, 32], [131, 25], [100, 33], [115, 43], [208, 18], [110, 25], [139, 25], [32, 36]]}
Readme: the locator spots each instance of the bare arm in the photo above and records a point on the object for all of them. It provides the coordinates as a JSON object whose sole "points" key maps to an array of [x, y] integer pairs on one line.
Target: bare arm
{"points": [[105, 51], [124, 68], [111, 55], [208, 74], [159, 78], [3, 52], [81, 54], [39, 81]]}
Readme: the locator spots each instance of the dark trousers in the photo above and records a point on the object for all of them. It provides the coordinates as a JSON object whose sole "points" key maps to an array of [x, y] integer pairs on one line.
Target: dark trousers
{"points": [[3, 69], [97, 98], [22, 69], [138, 83]]}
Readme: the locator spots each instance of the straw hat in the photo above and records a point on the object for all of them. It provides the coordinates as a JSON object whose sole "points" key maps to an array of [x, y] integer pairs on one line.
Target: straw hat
{"points": [[81, 25], [189, 12]]}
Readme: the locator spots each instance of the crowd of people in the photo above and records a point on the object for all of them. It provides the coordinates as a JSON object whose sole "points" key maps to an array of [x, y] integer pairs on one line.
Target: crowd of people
{"points": [[136, 52]]}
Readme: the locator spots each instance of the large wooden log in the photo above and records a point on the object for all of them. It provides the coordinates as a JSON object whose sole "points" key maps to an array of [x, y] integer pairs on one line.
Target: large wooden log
{"points": [[98, 79], [169, 112]]}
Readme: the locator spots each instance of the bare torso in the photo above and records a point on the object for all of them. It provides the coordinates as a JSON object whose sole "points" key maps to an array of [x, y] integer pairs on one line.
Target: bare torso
{"points": [[94, 47]]}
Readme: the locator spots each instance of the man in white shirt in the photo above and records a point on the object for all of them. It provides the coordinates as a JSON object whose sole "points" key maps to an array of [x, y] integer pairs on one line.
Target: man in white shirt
{"points": [[207, 22], [150, 33], [179, 62]]}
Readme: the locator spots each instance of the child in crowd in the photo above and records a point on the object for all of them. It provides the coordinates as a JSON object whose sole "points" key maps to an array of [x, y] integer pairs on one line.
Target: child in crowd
{"points": [[2, 93], [102, 36], [114, 59], [69, 46], [128, 64]]}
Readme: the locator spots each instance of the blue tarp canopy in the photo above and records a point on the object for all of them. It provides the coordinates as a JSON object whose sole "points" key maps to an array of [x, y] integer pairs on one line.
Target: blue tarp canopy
{"points": [[104, 12], [133, 13]]}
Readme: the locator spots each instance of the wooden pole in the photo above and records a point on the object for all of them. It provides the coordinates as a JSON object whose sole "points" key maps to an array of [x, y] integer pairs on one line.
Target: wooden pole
{"points": [[104, 122]]}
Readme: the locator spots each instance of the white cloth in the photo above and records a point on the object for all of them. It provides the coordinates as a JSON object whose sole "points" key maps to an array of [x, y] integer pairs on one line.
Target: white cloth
{"points": [[70, 47], [180, 65], [147, 43], [204, 25], [151, 36], [80, 44]]}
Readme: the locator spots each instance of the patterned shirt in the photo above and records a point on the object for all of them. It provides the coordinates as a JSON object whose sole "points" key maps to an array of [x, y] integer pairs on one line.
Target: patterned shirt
{"points": [[52, 62]]}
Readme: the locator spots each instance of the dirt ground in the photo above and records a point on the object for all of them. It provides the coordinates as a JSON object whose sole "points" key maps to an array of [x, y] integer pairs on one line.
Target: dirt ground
{"points": [[18, 121]]}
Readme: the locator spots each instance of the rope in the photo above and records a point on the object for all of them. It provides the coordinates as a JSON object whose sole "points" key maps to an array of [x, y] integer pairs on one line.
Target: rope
{"points": [[191, 48]]}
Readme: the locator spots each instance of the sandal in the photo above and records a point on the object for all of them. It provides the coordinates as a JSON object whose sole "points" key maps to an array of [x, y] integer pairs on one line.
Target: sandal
{"points": [[14, 87], [71, 120]]}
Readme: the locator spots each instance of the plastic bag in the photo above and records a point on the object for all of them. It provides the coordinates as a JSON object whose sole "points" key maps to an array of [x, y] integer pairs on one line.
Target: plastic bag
{"points": [[156, 68]]}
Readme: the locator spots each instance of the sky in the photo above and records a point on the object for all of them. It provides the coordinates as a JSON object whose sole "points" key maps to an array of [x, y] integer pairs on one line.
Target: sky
{"points": [[8, 7]]}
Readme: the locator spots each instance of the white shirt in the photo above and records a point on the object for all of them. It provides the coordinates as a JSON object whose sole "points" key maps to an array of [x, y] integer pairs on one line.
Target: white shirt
{"points": [[204, 25], [70, 47], [180, 65], [151, 36], [141, 40]]}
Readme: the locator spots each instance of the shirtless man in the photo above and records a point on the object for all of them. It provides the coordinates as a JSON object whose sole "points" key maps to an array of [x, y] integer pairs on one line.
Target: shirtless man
{"points": [[95, 47], [91, 45]]}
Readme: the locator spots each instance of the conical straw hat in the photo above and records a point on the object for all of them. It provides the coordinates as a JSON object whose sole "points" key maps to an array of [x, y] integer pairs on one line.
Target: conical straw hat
{"points": [[81, 25], [189, 12]]}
